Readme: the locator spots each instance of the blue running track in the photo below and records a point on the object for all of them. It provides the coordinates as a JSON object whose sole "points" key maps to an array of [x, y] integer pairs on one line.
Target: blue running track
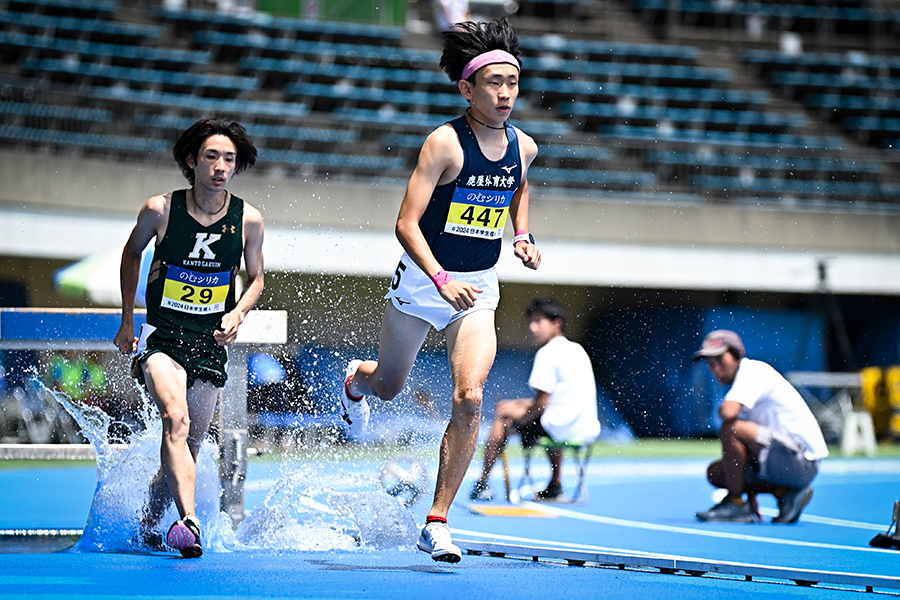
{"points": [[641, 510]]}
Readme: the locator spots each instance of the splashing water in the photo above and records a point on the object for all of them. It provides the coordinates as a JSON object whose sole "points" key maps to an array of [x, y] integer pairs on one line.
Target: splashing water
{"points": [[123, 477], [310, 508], [303, 511]]}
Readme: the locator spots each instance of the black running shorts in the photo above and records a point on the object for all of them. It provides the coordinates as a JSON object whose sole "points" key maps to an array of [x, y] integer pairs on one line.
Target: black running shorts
{"points": [[200, 356]]}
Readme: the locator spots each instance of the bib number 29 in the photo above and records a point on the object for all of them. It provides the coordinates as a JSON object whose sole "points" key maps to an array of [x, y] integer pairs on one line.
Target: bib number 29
{"points": [[205, 295]]}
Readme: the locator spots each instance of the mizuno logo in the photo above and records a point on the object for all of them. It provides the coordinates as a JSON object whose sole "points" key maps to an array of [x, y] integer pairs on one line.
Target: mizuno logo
{"points": [[509, 169], [401, 301]]}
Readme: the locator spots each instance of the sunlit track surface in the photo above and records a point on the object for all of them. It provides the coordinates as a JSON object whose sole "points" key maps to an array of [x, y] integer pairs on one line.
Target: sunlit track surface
{"points": [[685, 566]]}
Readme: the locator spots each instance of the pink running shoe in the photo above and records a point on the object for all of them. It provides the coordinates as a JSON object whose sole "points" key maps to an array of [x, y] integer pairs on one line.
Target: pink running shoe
{"points": [[184, 536]]}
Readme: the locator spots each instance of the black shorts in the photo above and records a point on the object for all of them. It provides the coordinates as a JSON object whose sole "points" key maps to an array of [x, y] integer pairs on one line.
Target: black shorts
{"points": [[531, 432], [200, 356]]}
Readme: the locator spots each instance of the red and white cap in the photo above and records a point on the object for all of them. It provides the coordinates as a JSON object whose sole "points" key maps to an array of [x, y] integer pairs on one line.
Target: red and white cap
{"points": [[718, 342]]}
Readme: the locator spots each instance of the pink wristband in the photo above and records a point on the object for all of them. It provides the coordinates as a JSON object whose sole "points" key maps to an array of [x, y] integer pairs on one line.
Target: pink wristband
{"points": [[440, 279]]}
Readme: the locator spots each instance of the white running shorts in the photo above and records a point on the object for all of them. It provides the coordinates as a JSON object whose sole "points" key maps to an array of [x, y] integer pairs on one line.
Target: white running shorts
{"points": [[413, 293]]}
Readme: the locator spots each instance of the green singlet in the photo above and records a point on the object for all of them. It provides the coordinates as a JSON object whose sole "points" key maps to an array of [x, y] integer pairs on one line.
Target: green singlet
{"points": [[190, 288]]}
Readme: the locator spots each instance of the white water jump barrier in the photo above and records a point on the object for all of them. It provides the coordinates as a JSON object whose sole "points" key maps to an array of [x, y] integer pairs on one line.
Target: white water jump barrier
{"points": [[677, 565], [94, 329]]}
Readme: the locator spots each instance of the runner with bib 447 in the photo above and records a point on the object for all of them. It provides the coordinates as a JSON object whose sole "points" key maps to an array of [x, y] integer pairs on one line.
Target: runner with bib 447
{"points": [[470, 178]]}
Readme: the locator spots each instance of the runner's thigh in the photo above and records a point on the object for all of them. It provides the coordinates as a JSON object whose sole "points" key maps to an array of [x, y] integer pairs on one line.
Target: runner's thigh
{"points": [[201, 400], [472, 347], [401, 337]]}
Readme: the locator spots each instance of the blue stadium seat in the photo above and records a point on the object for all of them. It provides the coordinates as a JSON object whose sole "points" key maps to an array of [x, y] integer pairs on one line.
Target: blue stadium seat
{"points": [[324, 159], [77, 8], [178, 81], [76, 27], [236, 45], [772, 162], [52, 111], [276, 72], [598, 179], [598, 114], [82, 140], [369, 97], [824, 62], [813, 83], [218, 106], [126, 54], [724, 15], [855, 105], [777, 185], [257, 130], [192, 20], [856, 90], [570, 151], [594, 50], [694, 136], [391, 116], [729, 99], [660, 74]]}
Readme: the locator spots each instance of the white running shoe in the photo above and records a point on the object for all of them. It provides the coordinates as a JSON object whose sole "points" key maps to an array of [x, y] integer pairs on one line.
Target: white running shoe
{"points": [[356, 412], [435, 539]]}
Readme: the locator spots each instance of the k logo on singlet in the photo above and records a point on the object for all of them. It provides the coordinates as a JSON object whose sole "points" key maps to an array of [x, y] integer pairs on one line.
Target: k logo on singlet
{"points": [[202, 244]]}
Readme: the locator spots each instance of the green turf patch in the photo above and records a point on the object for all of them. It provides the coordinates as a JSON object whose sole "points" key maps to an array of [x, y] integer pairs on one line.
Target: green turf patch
{"points": [[23, 463], [648, 448]]}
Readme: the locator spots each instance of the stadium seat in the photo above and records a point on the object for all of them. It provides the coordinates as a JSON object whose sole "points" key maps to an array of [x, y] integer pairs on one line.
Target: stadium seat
{"points": [[51, 111], [99, 30], [68, 8], [15, 43], [192, 20]]}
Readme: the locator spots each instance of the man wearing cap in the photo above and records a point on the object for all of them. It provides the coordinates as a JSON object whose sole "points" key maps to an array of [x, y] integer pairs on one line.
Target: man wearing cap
{"points": [[771, 442]]}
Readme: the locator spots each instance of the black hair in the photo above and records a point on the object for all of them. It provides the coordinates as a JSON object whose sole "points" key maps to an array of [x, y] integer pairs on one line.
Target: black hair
{"points": [[549, 307], [736, 353], [464, 41], [193, 137]]}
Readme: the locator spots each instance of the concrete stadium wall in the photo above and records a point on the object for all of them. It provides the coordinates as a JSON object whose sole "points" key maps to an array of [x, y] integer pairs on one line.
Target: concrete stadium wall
{"points": [[342, 307], [40, 183]]}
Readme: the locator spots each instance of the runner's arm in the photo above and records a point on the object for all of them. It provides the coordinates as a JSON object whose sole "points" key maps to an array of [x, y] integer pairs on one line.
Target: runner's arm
{"points": [[149, 223], [528, 253]]}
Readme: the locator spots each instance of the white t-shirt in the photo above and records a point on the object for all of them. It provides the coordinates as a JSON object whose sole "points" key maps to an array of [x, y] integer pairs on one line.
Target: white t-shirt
{"points": [[448, 12], [770, 400], [563, 370]]}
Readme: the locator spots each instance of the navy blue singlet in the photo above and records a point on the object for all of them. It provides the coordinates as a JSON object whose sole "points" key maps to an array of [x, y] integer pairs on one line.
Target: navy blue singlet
{"points": [[464, 221]]}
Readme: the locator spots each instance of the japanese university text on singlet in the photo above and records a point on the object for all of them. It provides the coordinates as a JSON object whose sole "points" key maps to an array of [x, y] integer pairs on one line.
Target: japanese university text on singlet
{"points": [[191, 280], [464, 221]]}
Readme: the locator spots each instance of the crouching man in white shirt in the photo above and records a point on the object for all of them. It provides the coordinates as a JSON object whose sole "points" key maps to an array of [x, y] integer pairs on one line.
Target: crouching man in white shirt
{"points": [[771, 442]]}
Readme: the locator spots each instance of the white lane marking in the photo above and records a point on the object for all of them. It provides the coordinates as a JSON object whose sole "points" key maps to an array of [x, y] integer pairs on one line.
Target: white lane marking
{"points": [[771, 512], [719, 495], [557, 544], [561, 512]]}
